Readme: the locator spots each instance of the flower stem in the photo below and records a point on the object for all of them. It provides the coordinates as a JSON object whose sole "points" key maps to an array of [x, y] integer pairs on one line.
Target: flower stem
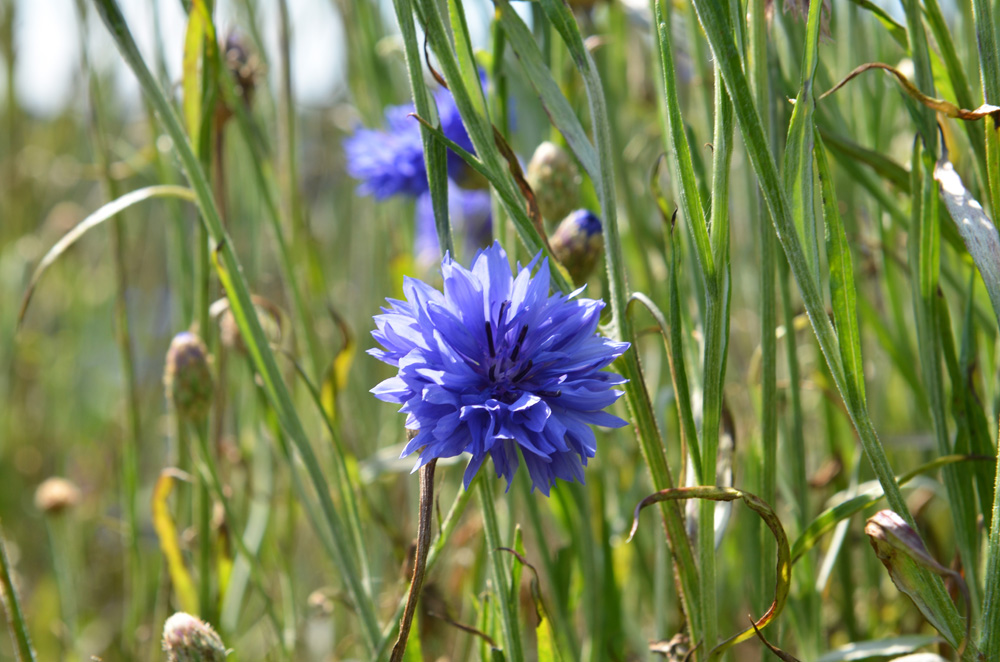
{"points": [[500, 576], [15, 618], [420, 561]]}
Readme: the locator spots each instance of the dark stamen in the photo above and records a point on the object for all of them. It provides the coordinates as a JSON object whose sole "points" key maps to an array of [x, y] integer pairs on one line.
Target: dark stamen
{"points": [[489, 339], [523, 372], [520, 339], [550, 394], [493, 372], [503, 310]]}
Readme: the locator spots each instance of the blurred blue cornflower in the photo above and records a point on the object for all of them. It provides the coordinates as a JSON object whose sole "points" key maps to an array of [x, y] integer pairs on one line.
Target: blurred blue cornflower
{"points": [[470, 212], [391, 162], [495, 365]]}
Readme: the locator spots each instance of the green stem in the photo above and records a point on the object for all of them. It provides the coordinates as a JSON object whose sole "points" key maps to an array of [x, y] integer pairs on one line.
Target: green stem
{"points": [[500, 576], [716, 342], [636, 393], [15, 617]]}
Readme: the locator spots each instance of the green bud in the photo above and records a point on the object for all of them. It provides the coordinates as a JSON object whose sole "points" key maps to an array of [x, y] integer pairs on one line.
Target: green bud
{"points": [[555, 179], [578, 243], [187, 638], [187, 379]]}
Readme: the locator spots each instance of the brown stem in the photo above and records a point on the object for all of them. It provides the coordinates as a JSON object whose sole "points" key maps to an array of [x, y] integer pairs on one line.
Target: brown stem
{"points": [[420, 562]]}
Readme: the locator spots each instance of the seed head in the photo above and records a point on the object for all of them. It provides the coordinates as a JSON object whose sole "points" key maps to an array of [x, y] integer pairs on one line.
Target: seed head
{"points": [[187, 638], [555, 179], [187, 379], [55, 495]]}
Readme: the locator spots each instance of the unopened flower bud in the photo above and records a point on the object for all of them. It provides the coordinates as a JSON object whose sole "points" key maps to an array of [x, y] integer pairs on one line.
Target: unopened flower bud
{"points": [[187, 638], [578, 243], [903, 554], [55, 495], [187, 379], [555, 180]]}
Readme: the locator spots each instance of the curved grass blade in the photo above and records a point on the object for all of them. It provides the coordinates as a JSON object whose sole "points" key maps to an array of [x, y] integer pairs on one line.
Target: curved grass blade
{"points": [[938, 105], [108, 211], [766, 513]]}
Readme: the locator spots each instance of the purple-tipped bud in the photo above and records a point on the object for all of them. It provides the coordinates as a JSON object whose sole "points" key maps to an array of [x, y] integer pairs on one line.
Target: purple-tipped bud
{"points": [[187, 638], [56, 495], [555, 179], [187, 378], [903, 553], [578, 243]]}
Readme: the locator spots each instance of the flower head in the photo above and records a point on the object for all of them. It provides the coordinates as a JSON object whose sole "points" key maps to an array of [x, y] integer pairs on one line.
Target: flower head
{"points": [[187, 377], [187, 638], [495, 365], [391, 161]]}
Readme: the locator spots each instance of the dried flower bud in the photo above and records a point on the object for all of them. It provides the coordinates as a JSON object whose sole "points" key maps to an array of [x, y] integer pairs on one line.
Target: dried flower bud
{"points": [[555, 179], [578, 243], [903, 553], [187, 638], [245, 68], [187, 379], [55, 495]]}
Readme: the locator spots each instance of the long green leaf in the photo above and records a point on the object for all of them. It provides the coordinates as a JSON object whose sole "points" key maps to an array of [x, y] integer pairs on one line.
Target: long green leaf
{"points": [[843, 292]]}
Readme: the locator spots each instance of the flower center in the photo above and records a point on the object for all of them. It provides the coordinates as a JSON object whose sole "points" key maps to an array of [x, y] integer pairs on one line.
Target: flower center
{"points": [[505, 368]]}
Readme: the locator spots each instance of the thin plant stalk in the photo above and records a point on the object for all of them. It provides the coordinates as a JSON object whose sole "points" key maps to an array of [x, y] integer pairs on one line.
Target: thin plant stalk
{"points": [[129, 454], [448, 527], [500, 576], [59, 544], [23, 649], [420, 559]]}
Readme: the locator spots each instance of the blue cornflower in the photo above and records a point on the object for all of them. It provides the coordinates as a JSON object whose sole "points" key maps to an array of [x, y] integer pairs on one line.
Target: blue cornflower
{"points": [[391, 161], [497, 366], [471, 215]]}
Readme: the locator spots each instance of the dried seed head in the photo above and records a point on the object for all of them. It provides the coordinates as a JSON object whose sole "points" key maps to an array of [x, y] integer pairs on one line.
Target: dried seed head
{"points": [[578, 243], [187, 378], [187, 638], [55, 495], [244, 66], [555, 179]]}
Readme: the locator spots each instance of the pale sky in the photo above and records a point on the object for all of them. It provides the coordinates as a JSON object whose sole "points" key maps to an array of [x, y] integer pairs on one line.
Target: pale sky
{"points": [[47, 37]]}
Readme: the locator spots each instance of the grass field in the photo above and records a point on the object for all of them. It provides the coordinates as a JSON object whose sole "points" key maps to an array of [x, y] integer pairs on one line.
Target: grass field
{"points": [[806, 276]]}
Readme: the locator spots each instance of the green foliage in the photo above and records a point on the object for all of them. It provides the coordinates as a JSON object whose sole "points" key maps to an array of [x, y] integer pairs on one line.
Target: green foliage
{"points": [[283, 516]]}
